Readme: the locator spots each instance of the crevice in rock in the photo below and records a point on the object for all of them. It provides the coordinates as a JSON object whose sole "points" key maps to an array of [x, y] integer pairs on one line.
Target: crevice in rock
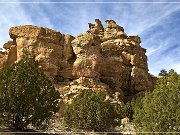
{"points": [[72, 59]]}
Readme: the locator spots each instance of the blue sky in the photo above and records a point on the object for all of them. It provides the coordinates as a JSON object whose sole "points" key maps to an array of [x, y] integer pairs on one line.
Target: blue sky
{"points": [[158, 24]]}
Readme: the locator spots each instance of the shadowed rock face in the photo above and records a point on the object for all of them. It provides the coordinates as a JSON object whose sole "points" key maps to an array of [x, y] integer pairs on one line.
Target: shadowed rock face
{"points": [[101, 59]]}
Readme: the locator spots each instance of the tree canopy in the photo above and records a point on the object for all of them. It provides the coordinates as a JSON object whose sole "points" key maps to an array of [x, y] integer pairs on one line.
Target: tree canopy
{"points": [[160, 110], [163, 72], [90, 111], [27, 96]]}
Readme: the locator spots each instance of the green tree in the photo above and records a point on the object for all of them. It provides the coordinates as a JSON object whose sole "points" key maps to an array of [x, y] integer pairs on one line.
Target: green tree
{"points": [[160, 110], [27, 96], [90, 111], [127, 109], [163, 72], [171, 71]]}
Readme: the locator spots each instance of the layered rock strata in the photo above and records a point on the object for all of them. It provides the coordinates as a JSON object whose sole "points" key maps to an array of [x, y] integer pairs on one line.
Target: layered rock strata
{"points": [[101, 59]]}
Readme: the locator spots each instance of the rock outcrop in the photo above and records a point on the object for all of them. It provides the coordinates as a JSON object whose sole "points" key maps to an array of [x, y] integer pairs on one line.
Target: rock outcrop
{"points": [[101, 59]]}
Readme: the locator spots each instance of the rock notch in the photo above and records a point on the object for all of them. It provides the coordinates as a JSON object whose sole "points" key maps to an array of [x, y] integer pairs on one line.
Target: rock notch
{"points": [[101, 59]]}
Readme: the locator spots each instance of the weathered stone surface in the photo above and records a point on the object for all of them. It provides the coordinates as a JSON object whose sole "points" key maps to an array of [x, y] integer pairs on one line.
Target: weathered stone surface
{"points": [[68, 50], [43, 42], [101, 59], [140, 79], [87, 50], [3, 59], [10, 55], [68, 58], [8, 45], [96, 28], [113, 31], [29, 31]]}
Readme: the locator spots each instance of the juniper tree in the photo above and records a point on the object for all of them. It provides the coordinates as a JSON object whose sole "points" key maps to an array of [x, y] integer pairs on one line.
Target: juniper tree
{"points": [[27, 96], [160, 110], [163, 72], [90, 111]]}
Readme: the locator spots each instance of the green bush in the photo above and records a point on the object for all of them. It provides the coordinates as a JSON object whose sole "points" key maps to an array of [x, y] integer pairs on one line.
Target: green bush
{"points": [[90, 111], [27, 96], [160, 110], [127, 109]]}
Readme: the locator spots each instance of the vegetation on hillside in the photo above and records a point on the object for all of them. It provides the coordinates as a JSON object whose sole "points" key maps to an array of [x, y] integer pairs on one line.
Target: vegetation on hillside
{"points": [[27, 96], [90, 111], [160, 110], [157, 111]]}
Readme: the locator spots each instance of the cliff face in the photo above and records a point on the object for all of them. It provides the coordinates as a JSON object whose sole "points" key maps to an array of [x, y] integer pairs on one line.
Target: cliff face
{"points": [[101, 59]]}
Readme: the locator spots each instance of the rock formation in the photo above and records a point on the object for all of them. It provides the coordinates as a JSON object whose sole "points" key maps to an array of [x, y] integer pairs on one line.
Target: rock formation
{"points": [[101, 59]]}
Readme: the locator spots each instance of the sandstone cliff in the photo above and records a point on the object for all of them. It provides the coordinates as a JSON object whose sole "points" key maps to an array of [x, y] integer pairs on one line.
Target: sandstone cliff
{"points": [[101, 59]]}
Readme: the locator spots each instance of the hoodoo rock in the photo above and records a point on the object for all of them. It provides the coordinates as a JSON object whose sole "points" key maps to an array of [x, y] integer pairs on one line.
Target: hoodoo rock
{"points": [[101, 59]]}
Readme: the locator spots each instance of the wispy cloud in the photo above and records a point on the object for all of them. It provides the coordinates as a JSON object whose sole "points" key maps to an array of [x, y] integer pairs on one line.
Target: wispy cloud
{"points": [[11, 15], [14, 14], [156, 24]]}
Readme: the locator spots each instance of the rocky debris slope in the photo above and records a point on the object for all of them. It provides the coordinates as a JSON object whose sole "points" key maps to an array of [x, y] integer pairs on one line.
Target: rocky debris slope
{"points": [[101, 59]]}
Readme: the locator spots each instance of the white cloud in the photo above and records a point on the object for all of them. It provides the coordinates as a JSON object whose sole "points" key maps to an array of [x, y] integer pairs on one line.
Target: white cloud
{"points": [[11, 15], [153, 50], [139, 17], [74, 18], [14, 14]]}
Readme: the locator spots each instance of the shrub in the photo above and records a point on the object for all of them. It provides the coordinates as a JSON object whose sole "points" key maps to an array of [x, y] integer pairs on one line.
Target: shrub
{"points": [[27, 96], [90, 111], [127, 109], [160, 109]]}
